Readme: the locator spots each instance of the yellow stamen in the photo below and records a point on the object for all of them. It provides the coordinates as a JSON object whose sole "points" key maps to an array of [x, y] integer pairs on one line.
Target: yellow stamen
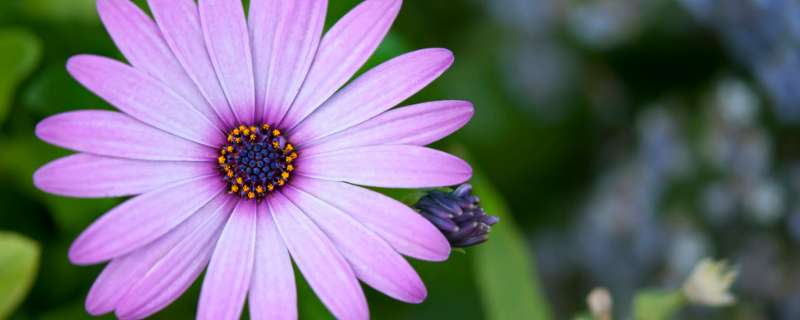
{"points": [[230, 174], [280, 182], [235, 132], [238, 141], [239, 180], [253, 137], [234, 188], [275, 144], [285, 175], [259, 189], [289, 147], [252, 129], [251, 195], [289, 159], [276, 132], [230, 148], [270, 187], [221, 160], [230, 138], [293, 155], [246, 132], [266, 127], [290, 167], [245, 188], [241, 128]]}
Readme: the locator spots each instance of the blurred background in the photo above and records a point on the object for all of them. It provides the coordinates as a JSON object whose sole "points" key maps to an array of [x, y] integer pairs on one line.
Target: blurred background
{"points": [[620, 141]]}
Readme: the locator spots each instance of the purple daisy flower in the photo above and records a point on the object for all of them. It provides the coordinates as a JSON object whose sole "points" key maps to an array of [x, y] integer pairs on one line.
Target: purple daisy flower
{"points": [[242, 154]]}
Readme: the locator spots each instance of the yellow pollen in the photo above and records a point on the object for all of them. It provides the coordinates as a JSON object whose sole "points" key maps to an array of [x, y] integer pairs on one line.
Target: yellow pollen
{"points": [[290, 167], [266, 127], [252, 129], [270, 187], [235, 132], [238, 141], [276, 132], [289, 147], [221, 160], [234, 188], [289, 159], [251, 195], [239, 180], [253, 137], [275, 144], [230, 138], [230, 174], [280, 183], [245, 188], [222, 152], [230, 148], [259, 189], [241, 128], [285, 175], [246, 132]]}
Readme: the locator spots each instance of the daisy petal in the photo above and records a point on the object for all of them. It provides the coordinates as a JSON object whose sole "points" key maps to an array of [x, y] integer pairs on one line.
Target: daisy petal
{"points": [[228, 44], [122, 136], [141, 220], [374, 92], [403, 228], [273, 294], [419, 125], [91, 176], [282, 31], [326, 271], [140, 41], [179, 21], [343, 50], [296, 41], [372, 259], [143, 97], [228, 276], [165, 281], [387, 167], [120, 276]]}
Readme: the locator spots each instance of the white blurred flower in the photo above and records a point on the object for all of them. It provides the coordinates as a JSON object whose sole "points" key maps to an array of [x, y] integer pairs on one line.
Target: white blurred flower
{"points": [[709, 283], [600, 303]]}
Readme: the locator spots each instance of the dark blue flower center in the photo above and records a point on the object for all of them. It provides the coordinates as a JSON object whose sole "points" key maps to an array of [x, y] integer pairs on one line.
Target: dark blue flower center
{"points": [[256, 161]]}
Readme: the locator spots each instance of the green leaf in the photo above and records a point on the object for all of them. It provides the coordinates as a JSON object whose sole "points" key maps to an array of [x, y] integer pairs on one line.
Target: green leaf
{"points": [[504, 266], [20, 53], [656, 304], [19, 262]]}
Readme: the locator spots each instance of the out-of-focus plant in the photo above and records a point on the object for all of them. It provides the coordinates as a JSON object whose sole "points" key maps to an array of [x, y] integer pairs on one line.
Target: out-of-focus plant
{"points": [[20, 52], [707, 285], [19, 262]]}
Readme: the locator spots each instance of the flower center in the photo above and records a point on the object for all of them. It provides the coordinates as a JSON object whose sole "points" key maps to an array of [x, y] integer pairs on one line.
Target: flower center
{"points": [[255, 161]]}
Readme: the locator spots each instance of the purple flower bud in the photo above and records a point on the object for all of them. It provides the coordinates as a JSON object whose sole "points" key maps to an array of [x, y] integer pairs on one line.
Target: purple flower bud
{"points": [[458, 215]]}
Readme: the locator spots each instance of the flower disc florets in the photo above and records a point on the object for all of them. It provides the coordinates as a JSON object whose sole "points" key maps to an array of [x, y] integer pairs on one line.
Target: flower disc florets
{"points": [[256, 161]]}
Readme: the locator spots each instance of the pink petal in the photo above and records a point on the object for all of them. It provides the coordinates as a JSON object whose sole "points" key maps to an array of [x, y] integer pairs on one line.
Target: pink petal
{"points": [[91, 176], [418, 125], [124, 272], [169, 278], [387, 167], [283, 50], [272, 288], [143, 97], [374, 92], [142, 219], [403, 228], [344, 49], [325, 269], [122, 136], [372, 259], [179, 21], [140, 41], [228, 44], [228, 276]]}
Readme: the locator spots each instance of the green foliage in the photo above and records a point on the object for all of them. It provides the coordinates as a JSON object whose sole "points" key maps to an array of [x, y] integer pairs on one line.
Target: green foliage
{"points": [[504, 266], [656, 304], [19, 262], [20, 53]]}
